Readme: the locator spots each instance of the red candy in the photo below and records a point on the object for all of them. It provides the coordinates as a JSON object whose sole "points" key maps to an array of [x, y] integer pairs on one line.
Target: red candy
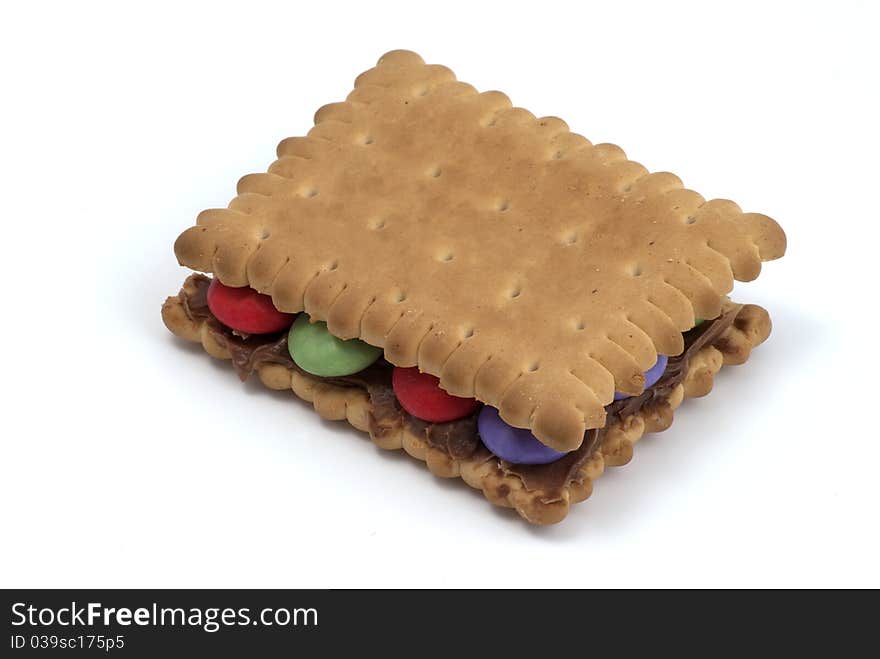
{"points": [[420, 395], [245, 310]]}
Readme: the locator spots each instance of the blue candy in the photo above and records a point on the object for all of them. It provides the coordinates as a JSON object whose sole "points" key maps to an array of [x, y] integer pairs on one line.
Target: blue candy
{"points": [[651, 375], [516, 445]]}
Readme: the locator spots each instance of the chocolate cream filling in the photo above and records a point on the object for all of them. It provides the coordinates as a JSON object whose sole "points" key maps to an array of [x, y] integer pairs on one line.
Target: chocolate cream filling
{"points": [[458, 439]]}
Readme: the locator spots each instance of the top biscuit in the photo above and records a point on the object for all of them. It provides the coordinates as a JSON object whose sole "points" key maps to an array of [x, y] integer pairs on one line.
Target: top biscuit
{"points": [[514, 259]]}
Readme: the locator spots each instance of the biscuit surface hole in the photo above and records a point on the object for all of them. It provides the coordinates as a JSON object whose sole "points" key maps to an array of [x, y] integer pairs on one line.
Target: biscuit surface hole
{"points": [[515, 293], [691, 220], [534, 366], [308, 193], [265, 234], [580, 326], [468, 333], [378, 224], [446, 257], [368, 139], [502, 205], [435, 172]]}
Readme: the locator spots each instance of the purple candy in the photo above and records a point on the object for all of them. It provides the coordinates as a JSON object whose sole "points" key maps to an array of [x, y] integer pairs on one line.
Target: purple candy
{"points": [[651, 375], [516, 445]]}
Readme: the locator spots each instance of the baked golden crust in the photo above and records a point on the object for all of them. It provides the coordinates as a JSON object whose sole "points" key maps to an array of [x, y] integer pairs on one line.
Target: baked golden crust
{"points": [[513, 259], [352, 404]]}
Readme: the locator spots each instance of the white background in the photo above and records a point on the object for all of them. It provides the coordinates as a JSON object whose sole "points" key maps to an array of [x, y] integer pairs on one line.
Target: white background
{"points": [[130, 459]]}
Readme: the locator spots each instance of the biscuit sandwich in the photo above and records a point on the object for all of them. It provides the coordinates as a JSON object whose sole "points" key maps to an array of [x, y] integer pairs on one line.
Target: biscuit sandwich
{"points": [[484, 289]]}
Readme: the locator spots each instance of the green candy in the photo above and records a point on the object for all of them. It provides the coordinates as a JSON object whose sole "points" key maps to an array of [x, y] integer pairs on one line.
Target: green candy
{"points": [[698, 322], [317, 351]]}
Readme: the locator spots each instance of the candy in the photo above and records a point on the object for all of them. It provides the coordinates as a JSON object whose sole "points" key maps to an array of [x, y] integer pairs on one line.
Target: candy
{"points": [[245, 310], [516, 445], [420, 395], [317, 351], [651, 375], [699, 321]]}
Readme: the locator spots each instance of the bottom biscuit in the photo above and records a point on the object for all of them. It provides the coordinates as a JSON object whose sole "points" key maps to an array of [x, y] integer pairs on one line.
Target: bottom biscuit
{"points": [[362, 401]]}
